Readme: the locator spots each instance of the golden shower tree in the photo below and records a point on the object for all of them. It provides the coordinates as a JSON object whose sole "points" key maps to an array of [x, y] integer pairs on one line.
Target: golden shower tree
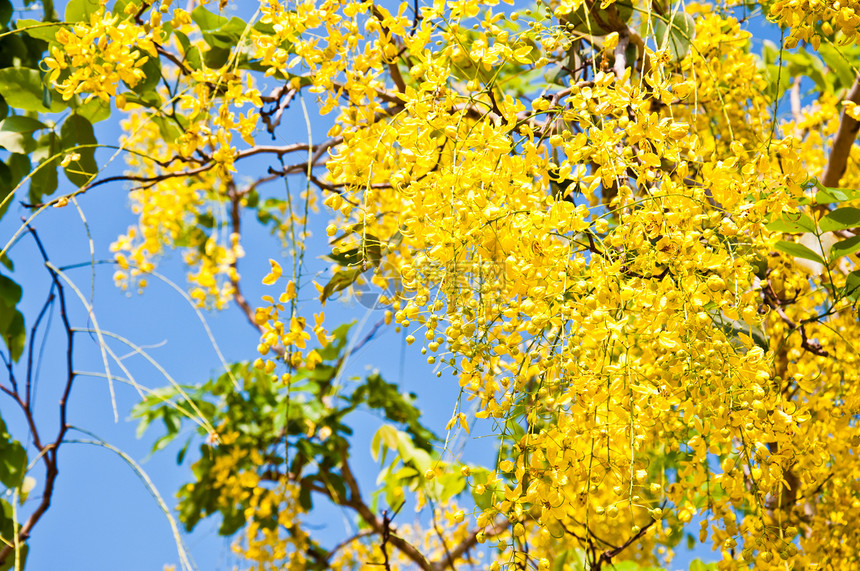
{"points": [[628, 231]]}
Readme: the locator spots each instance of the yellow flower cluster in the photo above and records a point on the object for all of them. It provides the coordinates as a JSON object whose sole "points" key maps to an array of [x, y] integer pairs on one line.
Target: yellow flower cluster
{"points": [[814, 20], [99, 54], [168, 211], [207, 107], [287, 334], [592, 264], [622, 340]]}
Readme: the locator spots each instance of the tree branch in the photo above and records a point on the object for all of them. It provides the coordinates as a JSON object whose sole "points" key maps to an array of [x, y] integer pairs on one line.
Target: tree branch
{"points": [[842, 143], [499, 526], [355, 502], [48, 452]]}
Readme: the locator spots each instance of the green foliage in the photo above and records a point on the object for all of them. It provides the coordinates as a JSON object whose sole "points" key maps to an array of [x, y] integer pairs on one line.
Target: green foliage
{"points": [[77, 136], [675, 32], [8, 525], [23, 89], [300, 428], [11, 319], [78, 10], [13, 460]]}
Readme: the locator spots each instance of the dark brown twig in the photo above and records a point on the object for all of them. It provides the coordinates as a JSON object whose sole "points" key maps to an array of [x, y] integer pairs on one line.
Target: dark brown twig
{"points": [[48, 452]]}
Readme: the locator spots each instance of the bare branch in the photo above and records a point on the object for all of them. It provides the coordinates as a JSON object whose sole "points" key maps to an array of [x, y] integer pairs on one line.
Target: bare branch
{"points": [[48, 452], [842, 143]]}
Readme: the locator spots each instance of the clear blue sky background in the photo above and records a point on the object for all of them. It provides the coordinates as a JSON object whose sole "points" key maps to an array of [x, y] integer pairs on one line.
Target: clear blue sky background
{"points": [[102, 517]]}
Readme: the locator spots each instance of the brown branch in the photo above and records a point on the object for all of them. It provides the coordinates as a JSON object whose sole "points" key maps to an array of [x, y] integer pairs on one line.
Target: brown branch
{"points": [[393, 70], [179, 63], [48, 452], [357, 503], [236, 223], [281, 97], [606, 556], [496, 528], [842, 143]]}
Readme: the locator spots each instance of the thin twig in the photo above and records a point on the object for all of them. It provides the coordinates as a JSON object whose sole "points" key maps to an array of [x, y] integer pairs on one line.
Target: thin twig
{"points": [[48, 452]]}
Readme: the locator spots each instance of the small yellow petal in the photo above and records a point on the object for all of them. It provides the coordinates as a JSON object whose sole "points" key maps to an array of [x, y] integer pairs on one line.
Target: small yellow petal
{"points": [[273, 276]]}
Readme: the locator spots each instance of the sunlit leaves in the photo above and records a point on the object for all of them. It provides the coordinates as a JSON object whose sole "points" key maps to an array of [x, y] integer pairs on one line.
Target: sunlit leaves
{"points": [[22, 88], [798, 250], [675, 32], [13, 459], [78, 10], [840, 219]]}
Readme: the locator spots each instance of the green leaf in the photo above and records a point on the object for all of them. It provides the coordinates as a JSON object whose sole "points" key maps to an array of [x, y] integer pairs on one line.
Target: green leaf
{"points": [[94, 110], [852, 286], [840, 219], [6, 11], [216, 57], [373, 249], [226, 36], [769, 52], [43, 181], [838, 64], [19, 165], [193, 56], [206, 19], [11, 320], [22, 88], [844, 247], [792, 223], [81, 10], [10, 294], [16, 336], [77, 136], [676, 34], [13, 463], [830, 195], [16, 133], [168, 128], [17, 142], [45, 31], [798, 251], [149, 99], [804, 63], [340, 281], [21, 124]]}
